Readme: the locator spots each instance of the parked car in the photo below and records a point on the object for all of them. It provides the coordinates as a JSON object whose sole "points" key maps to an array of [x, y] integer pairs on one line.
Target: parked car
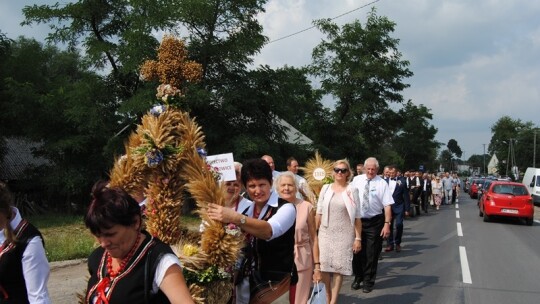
{"points": [[506, 199], [475, 184], [482, 189]]}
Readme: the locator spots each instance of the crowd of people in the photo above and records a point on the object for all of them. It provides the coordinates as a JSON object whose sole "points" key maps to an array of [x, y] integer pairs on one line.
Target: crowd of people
{"points": [[290, 239]]}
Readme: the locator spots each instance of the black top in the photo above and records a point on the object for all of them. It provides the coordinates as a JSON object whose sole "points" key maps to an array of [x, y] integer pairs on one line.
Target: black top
{"points": [[11, 269], [134, 284], [276, 255]]}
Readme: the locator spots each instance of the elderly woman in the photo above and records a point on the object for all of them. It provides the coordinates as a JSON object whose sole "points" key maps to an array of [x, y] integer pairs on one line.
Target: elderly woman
{"points": [[24, 269], [306, 254], [269, 225], [340, 229], [130, 266]]}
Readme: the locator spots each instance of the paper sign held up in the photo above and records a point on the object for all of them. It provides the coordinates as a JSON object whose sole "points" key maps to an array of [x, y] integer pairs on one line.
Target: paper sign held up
{"points": [[225, 165]]}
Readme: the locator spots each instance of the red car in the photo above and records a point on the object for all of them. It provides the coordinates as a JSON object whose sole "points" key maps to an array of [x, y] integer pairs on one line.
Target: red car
{"points": [[507, 199], [475, 185]]}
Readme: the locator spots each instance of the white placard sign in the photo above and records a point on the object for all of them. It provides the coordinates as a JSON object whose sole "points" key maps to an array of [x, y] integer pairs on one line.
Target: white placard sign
{"points": [[225, 165], [319, 174]]}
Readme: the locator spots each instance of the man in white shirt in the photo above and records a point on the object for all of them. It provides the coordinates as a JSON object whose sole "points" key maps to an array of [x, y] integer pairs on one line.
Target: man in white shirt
{"points": [[376, 201]]}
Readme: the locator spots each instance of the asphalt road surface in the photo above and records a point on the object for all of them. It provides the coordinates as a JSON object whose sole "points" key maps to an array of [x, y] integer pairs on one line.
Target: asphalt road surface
{"points": [[448, 256]]}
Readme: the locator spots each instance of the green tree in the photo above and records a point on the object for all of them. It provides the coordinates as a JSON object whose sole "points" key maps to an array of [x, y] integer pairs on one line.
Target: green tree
{"points": [[445, 159], [512, 142], [454, 148], [415, 140], [115, 34], [362, 67], [477, 161], [69, 111]]}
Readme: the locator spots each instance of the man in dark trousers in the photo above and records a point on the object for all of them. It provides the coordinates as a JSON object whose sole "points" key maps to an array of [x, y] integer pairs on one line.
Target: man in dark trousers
{"points": [[400, 194], [376, 211], [416, 184], [426, 191]]}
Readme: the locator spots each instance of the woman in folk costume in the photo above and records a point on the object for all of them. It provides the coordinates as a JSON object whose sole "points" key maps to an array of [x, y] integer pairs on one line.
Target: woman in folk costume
{"points": [[130, 266], [24, 269]]}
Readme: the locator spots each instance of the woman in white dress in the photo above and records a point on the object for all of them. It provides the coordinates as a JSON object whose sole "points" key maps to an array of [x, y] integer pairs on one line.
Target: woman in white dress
{"points": [[340, 229]]}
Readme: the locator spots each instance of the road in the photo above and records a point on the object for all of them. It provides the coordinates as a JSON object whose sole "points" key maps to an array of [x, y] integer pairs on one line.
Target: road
{"points": [[449, 256]]}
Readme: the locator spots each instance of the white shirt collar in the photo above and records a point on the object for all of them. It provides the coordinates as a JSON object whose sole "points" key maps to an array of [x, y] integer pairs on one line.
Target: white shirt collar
{"points": [[14, 223]]}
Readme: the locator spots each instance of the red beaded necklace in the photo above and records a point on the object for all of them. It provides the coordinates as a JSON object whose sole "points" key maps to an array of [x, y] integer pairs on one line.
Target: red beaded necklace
{"points": [[111, 274]]}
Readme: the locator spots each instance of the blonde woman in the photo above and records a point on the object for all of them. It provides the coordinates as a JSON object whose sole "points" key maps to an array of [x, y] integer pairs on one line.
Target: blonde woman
{"points": [[306, 248], [437, 191], [340, 229]]}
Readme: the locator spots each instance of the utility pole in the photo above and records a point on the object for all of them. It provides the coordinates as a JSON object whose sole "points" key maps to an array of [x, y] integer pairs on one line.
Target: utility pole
{"points": [[534, 150], [484, 168]]}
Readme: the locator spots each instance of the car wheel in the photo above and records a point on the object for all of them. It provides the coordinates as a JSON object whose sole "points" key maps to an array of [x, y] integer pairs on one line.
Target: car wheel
{"points": [[529, 221], [480, 213], [486, 218]]}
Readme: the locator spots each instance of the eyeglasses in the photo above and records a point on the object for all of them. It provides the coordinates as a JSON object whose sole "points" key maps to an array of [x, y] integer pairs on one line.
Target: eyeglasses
{"points": [[341, 170]]}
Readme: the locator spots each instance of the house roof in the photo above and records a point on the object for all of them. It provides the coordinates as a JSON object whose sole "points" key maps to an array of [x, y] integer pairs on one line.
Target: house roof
{"points": [[18, 157], [293, 136]]}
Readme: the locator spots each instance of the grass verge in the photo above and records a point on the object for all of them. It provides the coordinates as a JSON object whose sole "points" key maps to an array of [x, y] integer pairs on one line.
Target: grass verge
{"points": [[66, 237]]}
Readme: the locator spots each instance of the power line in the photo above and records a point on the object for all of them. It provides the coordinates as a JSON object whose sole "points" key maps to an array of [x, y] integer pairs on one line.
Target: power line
{"points": [[307, 29]]}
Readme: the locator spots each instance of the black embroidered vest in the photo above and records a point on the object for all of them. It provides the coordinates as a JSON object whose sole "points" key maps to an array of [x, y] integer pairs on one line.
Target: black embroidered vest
{"points": [[11, 270], [276, 255], [129, 286]]}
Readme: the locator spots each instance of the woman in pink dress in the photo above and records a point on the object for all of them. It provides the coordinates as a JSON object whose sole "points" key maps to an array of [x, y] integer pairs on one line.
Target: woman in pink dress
{"points": [[306, 253]]}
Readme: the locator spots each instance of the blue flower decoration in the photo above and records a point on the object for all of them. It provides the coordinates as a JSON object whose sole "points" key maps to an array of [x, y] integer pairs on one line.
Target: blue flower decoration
{"points": [[157, 110], [154, 157], [202, 152]]}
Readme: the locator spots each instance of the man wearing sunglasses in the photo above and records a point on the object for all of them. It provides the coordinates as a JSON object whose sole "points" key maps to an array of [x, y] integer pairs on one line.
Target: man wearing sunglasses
{"points": [[376, 201]]}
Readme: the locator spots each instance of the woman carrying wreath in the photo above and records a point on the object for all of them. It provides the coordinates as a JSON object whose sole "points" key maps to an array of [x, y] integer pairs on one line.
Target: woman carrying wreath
{"points": [[130, 266], [269, 224]]}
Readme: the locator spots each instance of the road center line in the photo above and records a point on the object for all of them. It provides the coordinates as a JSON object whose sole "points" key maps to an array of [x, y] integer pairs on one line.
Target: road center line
{"points": [[457, 214], [465, 265], [459, 231], [457, 206]]}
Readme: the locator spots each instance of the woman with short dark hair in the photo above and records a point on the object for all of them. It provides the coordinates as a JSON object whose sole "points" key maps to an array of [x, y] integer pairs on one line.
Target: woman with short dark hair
{"points": [[269, 224], [130, 266]]}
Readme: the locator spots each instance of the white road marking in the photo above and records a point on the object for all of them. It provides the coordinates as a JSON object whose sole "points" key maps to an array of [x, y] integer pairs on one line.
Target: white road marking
{"points": [[457, 214], [459, 231], [465, 265], [457, 206]]}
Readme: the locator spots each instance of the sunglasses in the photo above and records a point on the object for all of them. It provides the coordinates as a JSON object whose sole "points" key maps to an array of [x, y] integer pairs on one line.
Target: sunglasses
{"points": [[341, 170]]}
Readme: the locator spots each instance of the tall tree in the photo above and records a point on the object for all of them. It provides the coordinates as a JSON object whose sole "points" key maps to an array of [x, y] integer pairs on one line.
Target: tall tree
{"points": [[362, 67], [454, 148], [115, 34], [69, 111], [512, 142], [415, 140]]}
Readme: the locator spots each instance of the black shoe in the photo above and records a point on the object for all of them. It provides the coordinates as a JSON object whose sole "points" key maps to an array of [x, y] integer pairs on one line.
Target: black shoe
{"points": [[356, 283], [367, 289]]}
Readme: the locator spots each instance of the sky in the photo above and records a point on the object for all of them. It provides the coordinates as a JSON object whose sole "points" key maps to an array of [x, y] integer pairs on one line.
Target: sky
{"points": [[473, 61]]}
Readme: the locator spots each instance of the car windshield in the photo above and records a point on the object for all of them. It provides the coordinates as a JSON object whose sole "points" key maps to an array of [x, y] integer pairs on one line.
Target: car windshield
{"points": [[510, 189]]}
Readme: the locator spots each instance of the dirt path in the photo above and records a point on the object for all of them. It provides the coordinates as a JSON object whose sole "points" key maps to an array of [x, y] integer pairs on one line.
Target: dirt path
{"points": [[67, 279]]}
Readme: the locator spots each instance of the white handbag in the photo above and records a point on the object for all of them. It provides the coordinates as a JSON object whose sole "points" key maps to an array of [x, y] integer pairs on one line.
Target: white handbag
{"points": [[318, 294]]}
